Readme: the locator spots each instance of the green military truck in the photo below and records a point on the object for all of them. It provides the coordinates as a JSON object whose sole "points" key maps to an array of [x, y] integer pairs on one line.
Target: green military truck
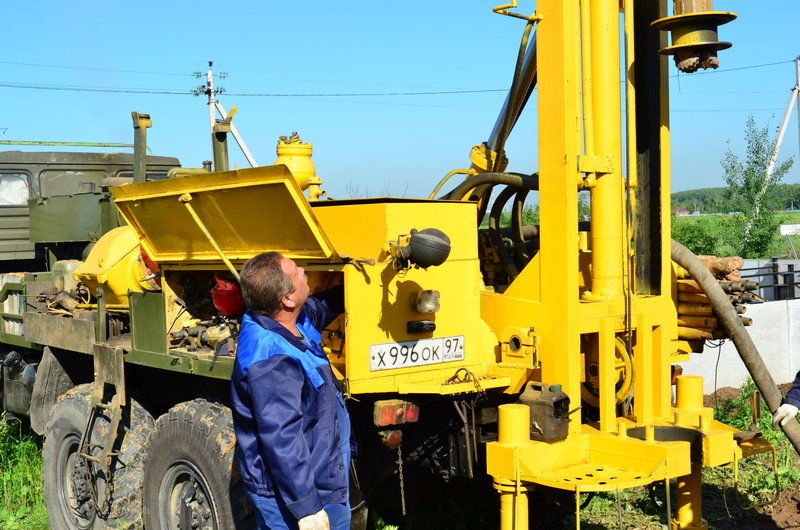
{"points": [[54, 207]]}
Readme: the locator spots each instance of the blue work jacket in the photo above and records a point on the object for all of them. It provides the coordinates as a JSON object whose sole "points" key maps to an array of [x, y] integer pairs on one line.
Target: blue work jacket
{"points": [[793, 395], [288, 411]]}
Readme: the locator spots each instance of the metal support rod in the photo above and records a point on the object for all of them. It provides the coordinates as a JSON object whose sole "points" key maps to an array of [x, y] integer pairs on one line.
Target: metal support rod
{"points": [[587, 75], [236, 136], [141, 122], [461, 410], [690, 501], [215, 106], [791, 245], [101, 333], [513, 506], [210, 94], [185, 199], [219, 142], [795, 95], [774, 157], [606, 194]]}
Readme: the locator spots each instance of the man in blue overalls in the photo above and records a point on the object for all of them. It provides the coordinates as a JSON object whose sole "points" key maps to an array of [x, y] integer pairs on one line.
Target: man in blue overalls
{"points": [[788, 410], [292, 427]]}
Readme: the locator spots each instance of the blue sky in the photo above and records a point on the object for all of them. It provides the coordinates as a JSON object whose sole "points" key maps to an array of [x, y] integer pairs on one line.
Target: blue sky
{"points": [[367, 145]]}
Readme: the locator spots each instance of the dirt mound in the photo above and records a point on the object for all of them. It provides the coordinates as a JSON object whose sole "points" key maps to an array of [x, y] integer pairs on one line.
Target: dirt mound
{"points": [[719, 397], [784, 513], [729, 392]]}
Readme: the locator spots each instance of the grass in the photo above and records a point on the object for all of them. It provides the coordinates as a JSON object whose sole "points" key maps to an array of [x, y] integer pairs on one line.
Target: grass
{"points": [[21, 488]]}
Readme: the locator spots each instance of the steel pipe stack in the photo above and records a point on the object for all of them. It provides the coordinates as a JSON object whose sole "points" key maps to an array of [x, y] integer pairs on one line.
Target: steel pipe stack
{"points": [[697, 319]]}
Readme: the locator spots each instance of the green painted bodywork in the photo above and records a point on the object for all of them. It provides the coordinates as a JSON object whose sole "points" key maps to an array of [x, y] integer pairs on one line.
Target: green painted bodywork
{"points": [[66, 218], [149, 347], [147, 315]]}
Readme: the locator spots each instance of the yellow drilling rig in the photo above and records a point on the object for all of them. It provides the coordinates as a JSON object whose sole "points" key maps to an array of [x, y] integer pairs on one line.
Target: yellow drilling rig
{"points": [[540, 356]]}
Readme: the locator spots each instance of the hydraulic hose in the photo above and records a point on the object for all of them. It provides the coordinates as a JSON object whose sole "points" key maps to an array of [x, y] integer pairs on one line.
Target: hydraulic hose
{"points": [[494, 232], [521, 257], [738, 334], [513, 97], [511, 179], [525, 81], [444, 180]]}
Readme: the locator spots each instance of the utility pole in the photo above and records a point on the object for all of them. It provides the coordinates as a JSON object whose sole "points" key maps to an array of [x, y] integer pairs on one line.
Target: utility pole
{"points": [[215, 106], [794, 96]]}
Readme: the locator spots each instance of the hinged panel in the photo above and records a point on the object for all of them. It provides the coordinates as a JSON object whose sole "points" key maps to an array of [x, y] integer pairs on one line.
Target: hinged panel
{"points": [[246, 212]]}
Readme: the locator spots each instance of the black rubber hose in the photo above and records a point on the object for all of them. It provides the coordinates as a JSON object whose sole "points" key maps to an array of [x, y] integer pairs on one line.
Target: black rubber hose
{"points": [[521, 257], [513, 96], [530, 182], [494, 232], [738, 334]]}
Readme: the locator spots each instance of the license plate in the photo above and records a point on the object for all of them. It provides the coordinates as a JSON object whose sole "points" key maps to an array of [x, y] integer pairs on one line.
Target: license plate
{"points": [[421, 352]]}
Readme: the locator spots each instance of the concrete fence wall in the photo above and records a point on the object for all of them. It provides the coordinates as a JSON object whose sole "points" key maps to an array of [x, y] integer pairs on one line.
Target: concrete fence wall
{"points": [[776, 334]]}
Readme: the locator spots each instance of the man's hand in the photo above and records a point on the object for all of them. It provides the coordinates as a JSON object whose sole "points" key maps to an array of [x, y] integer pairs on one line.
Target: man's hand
{"points": [[317, 521], [784, 413]]}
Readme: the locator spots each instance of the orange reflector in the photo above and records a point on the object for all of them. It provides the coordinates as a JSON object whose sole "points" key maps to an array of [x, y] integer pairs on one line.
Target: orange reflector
{"points": [[394, 412]]}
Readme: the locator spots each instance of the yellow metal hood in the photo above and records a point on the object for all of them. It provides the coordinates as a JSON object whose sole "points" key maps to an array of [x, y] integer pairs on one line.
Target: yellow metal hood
{"points": [[244, 212]]}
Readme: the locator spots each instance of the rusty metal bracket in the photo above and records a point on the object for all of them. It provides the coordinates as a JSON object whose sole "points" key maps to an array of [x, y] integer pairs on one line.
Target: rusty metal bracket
{"points": [[109, 369]]}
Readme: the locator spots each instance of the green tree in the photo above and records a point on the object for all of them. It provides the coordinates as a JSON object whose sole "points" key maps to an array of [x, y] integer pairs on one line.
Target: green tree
{"points": [[696, 235], [751, 192]]}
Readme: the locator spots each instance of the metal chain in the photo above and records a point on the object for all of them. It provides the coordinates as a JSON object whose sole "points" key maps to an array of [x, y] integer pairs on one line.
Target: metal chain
{"points": [[402, 483]]}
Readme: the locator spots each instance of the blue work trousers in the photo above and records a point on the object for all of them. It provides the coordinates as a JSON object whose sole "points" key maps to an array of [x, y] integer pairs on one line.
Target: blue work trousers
{"points": [[271, 514]]}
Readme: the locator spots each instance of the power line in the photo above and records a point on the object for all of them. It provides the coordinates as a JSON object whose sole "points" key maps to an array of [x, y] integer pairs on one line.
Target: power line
{"points": [[722, 71], [273, 94], [73, 88], [38, 65], [369, 94], [695, 111], [194, 74], [68, 88]]}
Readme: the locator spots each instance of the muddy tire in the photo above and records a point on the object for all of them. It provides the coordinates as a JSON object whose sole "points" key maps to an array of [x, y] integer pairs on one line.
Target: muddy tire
{"points": [[191, 479], [67, 490]]}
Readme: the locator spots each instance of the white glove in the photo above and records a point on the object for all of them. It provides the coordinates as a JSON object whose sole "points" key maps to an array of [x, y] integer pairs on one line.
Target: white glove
{"points": [[784, 413], [317, 521]]}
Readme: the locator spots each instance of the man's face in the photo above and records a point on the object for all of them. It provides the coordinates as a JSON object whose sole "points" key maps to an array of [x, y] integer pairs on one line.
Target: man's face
{"points": [[299, 281]]}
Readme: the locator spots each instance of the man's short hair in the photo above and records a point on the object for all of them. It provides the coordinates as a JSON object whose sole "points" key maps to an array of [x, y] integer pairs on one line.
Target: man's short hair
{"points": [[264, 284]]}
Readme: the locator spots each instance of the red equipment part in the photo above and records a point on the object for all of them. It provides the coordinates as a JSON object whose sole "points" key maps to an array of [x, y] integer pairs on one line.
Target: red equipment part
{"points": [[227, 298]]}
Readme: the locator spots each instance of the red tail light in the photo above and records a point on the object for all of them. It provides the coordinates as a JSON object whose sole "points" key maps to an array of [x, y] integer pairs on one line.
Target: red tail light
{"points": [[394, 412]]}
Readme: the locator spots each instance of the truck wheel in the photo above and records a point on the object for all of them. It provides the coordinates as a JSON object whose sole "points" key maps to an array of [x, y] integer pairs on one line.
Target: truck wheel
{"points": [[191, 479], [67, 489]]}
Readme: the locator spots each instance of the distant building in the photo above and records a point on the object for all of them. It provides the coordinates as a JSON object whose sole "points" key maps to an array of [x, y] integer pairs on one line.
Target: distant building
{"points": [[680, 212]]}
